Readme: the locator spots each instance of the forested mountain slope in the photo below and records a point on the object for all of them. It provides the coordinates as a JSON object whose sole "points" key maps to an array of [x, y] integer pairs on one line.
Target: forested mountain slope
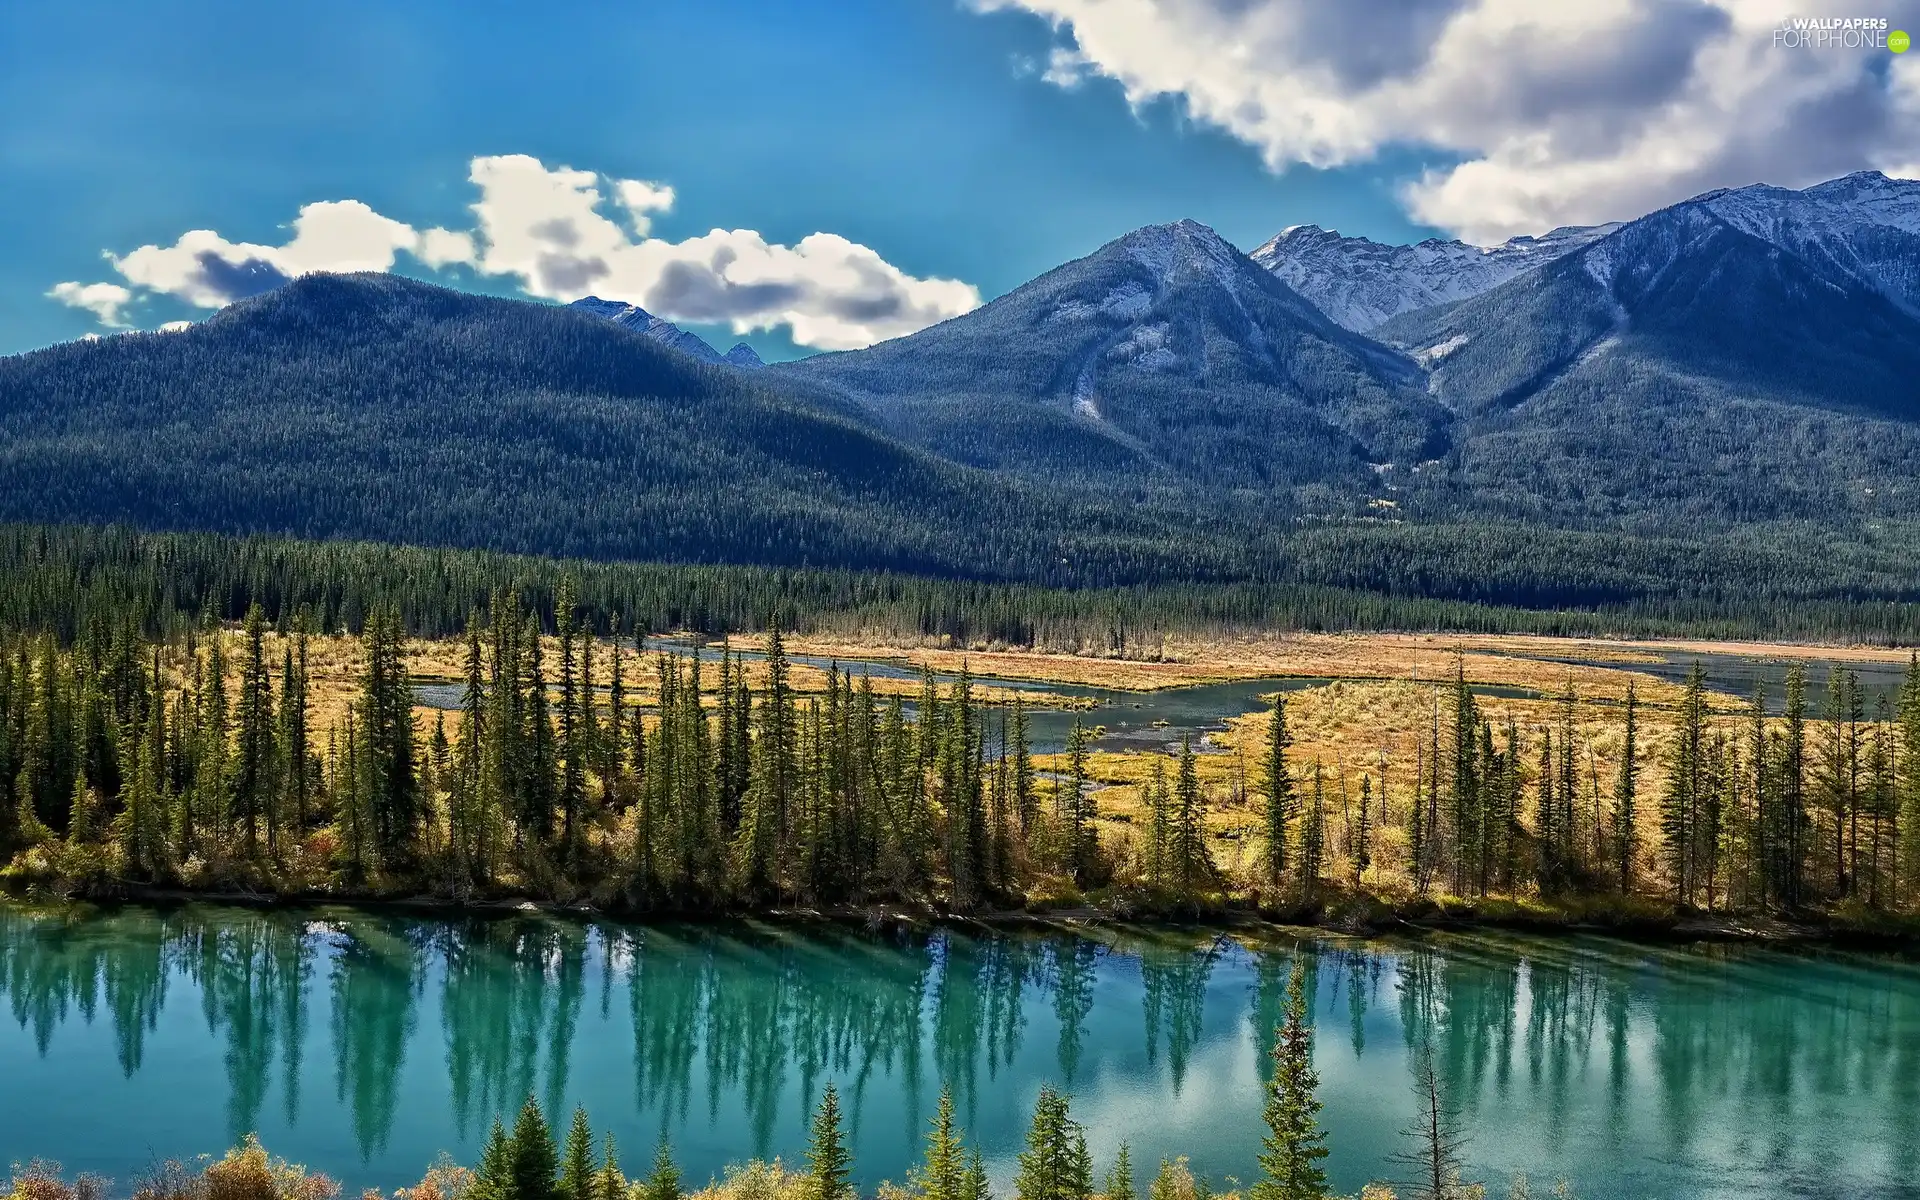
{"points": [[1683, 369], [372, 406], [1714, 404]]}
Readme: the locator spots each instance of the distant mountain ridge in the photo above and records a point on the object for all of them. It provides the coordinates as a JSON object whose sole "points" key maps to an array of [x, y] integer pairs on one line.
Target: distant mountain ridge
{"points": [[632, 316], [1166, 353], [1362, 283], [1742, 367]]}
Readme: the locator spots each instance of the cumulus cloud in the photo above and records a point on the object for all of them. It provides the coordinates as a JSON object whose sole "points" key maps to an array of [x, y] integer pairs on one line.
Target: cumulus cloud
{"points": [[554, 230], [103, 300], [1558, 113], [642, 199], [548, 228]]}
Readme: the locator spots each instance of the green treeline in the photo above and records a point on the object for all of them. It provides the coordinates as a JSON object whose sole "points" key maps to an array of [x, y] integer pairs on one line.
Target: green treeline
{"points": [[198, 763], [1809, 810], [63, 579]]}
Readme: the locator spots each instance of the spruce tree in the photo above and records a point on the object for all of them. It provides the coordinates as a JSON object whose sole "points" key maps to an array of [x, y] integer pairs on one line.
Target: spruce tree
{"points": [[1679, 808], [1053, 1166], [608, 1182], [829, 1165], [1119, 1185], [1159, 824], [253, 758], [1071, 809], [663, 1180], [942, 1172], [577, 1168], [1793, 803], [80, 811], [1907, 870], [534, 1160], [1313, 841], [1465, 825], [1191, 861], [1294, 1144], [1624, 789], [974, 1184], [1278, 782], [494, 1179], [1024, 802]]}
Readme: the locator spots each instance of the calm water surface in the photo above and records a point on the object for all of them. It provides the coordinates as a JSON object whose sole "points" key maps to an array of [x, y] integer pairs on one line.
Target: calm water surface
{"points": [[368, 1043]]}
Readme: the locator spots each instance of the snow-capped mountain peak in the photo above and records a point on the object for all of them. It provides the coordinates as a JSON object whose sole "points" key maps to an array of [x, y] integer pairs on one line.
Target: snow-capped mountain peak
{"points": [[632, 316], [1360, 282], [1865, 224]]}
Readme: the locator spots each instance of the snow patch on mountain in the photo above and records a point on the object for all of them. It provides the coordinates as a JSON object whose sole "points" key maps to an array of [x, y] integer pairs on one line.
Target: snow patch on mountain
{"points": [[1360, 282], [632, 316], [1439, 350], [1866, 225]]}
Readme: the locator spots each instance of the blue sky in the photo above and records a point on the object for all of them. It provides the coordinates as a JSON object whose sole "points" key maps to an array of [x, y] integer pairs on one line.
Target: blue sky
{"points": [[900, 124], [921, 131]]}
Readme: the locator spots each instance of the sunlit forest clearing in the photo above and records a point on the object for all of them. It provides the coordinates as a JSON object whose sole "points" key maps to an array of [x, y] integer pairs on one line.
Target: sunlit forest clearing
{"points": [[1365, 728], [354, 721]]}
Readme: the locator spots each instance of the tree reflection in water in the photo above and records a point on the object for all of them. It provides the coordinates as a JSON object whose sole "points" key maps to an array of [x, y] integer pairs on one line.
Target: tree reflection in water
{"points": [[1588, 1055]]}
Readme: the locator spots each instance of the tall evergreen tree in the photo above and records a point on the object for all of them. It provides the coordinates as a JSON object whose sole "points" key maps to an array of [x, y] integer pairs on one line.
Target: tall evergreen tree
{"points": [[1625, 841], [1192, 863], [1119, 1182], [493, 1178], [1294, 1143], [253, 782], [1793, 806], [1679, 810], [1907, 872], [829, 1165], [1076, 831], [1277, 779], [943, 1169], [534, 1160], [1054, 1164], [1313, 840], [608, 1182], [663, 1181], [578, 1171]]}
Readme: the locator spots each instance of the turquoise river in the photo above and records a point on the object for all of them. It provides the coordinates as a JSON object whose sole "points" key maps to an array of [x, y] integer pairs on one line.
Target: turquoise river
{"points": [[365, 1044]]}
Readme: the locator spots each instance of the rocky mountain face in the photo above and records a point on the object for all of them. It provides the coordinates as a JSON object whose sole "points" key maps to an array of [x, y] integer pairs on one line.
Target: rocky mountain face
{"points": [[632, 316], [1361, 283], [1166, 353]]}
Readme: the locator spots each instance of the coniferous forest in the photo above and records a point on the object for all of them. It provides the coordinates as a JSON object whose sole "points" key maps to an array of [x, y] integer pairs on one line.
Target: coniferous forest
{"points": [[578, 769]]}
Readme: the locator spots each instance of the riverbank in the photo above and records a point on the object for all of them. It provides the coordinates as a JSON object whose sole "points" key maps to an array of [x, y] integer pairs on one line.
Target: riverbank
{"points": [[1335, 911]]}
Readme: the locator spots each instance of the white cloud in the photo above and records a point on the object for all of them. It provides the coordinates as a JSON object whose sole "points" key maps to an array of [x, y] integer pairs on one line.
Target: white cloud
{"points": [[547, 227], [550, 229], [1558, 112], [641, 200], [174, 326], [103, 300], [443, 247]]}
